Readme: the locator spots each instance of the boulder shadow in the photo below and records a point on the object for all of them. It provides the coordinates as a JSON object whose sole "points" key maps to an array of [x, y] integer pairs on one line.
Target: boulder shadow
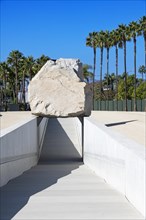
{"points": [[119, 123]]}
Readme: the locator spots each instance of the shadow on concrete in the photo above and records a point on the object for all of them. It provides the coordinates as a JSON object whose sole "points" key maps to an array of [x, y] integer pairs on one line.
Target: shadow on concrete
{"points": [[119, 123], [57, 146], [59, 157]]}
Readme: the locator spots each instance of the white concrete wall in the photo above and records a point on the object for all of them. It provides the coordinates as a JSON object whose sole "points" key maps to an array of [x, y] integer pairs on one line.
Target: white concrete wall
{"points": [[78, 126], [19, 148], [120, 161]]}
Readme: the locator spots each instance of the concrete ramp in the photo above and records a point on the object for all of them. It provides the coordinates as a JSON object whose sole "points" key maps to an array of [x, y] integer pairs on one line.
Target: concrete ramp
{"points": [[60, 187], [62, 141]]}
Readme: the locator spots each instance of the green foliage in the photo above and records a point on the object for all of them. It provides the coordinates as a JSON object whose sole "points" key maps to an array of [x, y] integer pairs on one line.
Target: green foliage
{"points": [[14, 71], [141, 91], [130, 88], [88, 75], [142, 70], [140, 88], [121, 90]]}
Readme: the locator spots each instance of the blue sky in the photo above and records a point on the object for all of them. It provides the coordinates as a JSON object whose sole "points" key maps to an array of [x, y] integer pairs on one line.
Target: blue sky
{"points": [[59, 28]]}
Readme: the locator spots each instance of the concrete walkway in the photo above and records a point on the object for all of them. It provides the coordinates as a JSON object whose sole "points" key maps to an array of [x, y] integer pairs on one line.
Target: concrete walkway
{"points": [[62, 189]]}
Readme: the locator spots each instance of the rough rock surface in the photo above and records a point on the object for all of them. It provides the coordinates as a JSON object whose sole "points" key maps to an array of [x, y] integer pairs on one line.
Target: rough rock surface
{"points": [[58, 90]]}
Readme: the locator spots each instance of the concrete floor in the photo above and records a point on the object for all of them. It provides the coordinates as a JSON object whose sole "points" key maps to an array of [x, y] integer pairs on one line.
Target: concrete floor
{"points": [[62, 189]]}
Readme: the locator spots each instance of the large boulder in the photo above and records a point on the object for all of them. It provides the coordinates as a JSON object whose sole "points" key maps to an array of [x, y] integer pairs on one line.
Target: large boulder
{"points": [[58, 90]]}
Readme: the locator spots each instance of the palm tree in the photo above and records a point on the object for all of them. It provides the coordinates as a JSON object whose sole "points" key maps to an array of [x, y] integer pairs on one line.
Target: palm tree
{"points": [[100, 44], [86, 72], [134, 27], [91, 41], [124, 32], [40, 62], [24, 73], [107, 45], [3, 74], [29, 66], [142, 70], [142, 31], [115, 37], [14, 59]]}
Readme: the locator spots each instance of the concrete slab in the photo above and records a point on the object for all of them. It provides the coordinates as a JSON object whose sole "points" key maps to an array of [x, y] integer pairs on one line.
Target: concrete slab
{"points": [[8, 119], [47, 196], [129, 124]]}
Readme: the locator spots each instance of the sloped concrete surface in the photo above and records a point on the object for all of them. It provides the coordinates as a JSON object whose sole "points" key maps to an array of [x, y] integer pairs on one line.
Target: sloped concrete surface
{"points": [[132, 125], [62, 189], [9, 119]]}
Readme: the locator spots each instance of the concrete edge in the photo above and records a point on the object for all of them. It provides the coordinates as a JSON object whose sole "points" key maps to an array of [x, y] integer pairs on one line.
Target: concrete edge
{"points": [[16, 126], [126, 142]]}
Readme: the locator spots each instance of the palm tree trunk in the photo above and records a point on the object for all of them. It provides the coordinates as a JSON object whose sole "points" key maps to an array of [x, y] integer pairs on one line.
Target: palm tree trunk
{"points": [[125, 71], [94, 67], [107, 78], [135, 107], [145, 47], [5, 94], [16, 82], [117, 77], [101, 61], [142, 76], [23, 88], [30, 75]]}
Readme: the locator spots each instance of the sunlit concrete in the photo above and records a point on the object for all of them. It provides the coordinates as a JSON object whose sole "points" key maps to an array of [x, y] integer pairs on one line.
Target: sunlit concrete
{"points": [[63, 188], [110, 151], [130, 124], [8, 119]]}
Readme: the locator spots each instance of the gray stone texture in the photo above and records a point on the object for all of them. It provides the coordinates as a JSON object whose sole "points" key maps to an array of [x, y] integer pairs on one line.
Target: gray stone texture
{"points": [[58, 90]]}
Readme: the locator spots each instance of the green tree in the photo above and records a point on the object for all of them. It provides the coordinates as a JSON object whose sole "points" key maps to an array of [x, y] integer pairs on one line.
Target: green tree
{"points": [[130, 87], [15, 60], [88, 75], [100, 43], [107, 45], [142, 70], [141, 91], [142, 31], [124, 32], [26, 71], [134, 27], [115, 36], [29, 66], [109, 89], [40, 62], [91, 41], [3, 75]]}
